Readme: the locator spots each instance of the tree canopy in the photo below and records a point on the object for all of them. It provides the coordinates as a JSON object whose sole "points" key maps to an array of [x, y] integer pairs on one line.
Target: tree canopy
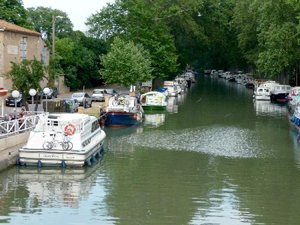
{"points": [[14, 12], [26, 75], [126, 63]]}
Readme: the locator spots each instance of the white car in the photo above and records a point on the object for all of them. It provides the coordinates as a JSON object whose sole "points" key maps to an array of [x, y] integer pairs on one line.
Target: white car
{"points": [[98, 95], [83, 99]]}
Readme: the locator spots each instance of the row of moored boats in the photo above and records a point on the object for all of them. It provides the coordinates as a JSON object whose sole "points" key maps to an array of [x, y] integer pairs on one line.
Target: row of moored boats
{"points": [[73, 139], [269, 90]]}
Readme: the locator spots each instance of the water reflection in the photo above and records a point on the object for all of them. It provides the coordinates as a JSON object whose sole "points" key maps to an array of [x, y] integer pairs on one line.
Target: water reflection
{"points": [[266, 108], [154, 120], [172, 105], [70, 186], [35, 194], [295, 136], [181, 98]]}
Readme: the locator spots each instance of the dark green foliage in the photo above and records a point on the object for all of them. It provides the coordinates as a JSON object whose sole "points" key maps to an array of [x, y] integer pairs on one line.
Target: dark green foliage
{"points": [[14, 12], [26, 75], [126, 64]]}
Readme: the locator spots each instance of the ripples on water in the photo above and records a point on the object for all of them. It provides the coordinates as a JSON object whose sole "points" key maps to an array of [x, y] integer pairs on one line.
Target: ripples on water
{"points": [[218, 141]]}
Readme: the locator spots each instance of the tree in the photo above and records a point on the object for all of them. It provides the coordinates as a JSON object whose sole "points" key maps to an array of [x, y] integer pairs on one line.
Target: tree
{"points": [[42, 20], [27, 75], [126, 63], [78, 58], [14, 12], [137, 21]]}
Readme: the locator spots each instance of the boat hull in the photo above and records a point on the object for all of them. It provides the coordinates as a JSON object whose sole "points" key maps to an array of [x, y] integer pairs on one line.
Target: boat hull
{"points": [[280, 98], [42, 157], [154, 108], [122, 118]]}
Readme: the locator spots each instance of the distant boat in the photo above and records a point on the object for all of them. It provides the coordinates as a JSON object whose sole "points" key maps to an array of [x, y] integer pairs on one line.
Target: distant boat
{"points": [[280, 93], [64, 140], [123, 110], [153, 100]]}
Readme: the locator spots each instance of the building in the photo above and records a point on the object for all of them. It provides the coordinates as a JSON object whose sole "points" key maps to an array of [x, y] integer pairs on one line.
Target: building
{"points": [[16, 44]]}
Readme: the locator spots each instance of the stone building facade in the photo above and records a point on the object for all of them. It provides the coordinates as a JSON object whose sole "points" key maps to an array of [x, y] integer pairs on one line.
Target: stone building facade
{"points": [[18, 43]]}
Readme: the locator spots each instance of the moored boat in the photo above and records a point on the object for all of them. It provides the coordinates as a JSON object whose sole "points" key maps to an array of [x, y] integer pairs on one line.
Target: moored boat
{"points": [[63, 140], [153, 100], [262, 93], [280, 93], [123, 110]]}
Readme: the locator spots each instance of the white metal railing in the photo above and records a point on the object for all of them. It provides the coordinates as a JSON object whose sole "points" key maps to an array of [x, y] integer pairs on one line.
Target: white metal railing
{"points": [[15, 126]]}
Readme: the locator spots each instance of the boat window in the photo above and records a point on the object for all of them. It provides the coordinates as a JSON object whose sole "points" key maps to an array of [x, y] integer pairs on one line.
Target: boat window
{"points": [[95, 126], [52, 123]]}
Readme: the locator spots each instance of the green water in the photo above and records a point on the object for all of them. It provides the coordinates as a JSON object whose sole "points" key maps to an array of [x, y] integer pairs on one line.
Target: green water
{"points": [[216, 157]]}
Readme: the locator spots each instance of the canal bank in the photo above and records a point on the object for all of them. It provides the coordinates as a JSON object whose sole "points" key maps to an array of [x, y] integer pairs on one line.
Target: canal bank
{"points": [[9, 149]]}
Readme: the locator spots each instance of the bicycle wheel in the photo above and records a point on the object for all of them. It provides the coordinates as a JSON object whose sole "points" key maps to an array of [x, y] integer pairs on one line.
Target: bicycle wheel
{"points": [[70, 145], [66, 145], [48, 145]]}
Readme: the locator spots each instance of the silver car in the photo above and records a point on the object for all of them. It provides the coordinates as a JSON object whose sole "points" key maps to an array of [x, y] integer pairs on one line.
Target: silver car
{"points": [[83, 99], [98, 95]]}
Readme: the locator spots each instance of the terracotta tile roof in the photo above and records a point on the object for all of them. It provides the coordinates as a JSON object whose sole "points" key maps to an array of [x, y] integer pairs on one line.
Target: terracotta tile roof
{"points": [[6, 26]]}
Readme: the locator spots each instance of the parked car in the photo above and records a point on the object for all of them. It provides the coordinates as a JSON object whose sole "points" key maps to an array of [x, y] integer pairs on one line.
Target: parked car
{"points": [[83, 99], [98, 95], [71, 105], [111, 92], [10, 101]]}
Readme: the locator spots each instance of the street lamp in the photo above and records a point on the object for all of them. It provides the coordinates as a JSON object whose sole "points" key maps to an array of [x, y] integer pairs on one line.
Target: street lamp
{"points": [[53, 42], [32, 93], [46, 91], [15, 94]]}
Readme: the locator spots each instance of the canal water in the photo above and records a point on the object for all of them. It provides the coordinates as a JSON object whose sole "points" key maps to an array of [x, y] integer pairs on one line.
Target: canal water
{"points": [[216, 157]]}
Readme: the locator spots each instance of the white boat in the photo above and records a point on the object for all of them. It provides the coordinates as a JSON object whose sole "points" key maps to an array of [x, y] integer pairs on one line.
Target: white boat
{"points": [[63, 140], [153, 100], [262, 93], [171, 88]]}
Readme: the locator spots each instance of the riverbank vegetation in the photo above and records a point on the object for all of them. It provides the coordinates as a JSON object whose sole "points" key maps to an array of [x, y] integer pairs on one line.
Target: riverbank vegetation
{"points": [[262, 37]]}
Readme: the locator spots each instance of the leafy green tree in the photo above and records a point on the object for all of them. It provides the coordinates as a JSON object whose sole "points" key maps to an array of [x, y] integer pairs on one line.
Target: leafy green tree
{"points": [[137, 21], [126, 63], [42, 20], [27, 75], [13, 11], [78, 58]]}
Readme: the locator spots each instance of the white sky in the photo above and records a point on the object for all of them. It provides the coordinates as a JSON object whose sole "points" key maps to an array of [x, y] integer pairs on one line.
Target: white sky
{"points": [[77, 10]]}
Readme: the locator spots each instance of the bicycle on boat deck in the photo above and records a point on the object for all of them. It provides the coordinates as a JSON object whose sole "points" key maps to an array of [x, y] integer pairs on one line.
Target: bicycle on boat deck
{"points": [[54, 143]]}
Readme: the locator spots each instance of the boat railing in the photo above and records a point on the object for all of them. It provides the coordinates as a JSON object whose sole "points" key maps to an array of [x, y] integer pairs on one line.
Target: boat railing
{"points": [[10, 127], [61, 124]]}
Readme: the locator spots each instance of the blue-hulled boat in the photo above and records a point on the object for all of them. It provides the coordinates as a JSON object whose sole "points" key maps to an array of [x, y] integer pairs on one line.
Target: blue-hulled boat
{"points": [[122, 110]]}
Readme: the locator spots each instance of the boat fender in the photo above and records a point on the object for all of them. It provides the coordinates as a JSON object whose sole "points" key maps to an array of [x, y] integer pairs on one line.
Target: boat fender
{"points": [[70, 129]]}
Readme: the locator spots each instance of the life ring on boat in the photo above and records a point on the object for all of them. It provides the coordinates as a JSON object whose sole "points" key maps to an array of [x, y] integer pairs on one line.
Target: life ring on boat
{"points": [[70, 129]]}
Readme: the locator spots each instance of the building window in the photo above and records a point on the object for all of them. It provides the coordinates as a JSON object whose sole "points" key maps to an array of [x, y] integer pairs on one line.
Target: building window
{"points": [[44, 55], [23, 48]]}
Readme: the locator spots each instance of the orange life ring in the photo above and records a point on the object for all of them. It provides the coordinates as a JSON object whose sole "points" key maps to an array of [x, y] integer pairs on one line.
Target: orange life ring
{"points": [[70, 129]]}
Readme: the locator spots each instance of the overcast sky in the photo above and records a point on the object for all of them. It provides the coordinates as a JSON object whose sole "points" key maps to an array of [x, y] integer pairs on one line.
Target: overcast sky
{"points": [[77, 10]]}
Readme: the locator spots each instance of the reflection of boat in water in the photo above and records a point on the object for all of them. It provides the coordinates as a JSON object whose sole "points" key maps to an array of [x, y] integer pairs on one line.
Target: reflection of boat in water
{"points": [[268, 108], [122, 131], [58, 186], [172, 106], [154, 120], [296, 142], [181, 98]]}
